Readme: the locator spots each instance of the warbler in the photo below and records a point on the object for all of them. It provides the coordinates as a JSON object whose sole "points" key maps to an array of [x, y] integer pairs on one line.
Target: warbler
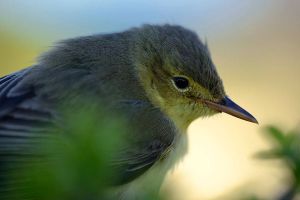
{"points": [[160, 77]]}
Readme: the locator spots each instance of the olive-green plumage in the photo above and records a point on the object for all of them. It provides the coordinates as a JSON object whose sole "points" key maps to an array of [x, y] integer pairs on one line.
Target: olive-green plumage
{"points": [[161, 78]]}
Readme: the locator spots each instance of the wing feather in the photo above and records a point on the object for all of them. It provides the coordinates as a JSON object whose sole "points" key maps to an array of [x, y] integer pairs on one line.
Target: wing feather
{"points": [[24, 120]]}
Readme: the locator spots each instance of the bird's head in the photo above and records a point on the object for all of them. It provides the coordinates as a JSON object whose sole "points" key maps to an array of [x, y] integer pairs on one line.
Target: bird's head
{"points": [[178, 75]]}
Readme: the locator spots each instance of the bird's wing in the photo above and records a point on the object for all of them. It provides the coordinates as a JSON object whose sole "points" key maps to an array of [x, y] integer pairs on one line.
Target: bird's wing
{"points": [[21, 113], [24, 119], [133, 164], [154, 136]]}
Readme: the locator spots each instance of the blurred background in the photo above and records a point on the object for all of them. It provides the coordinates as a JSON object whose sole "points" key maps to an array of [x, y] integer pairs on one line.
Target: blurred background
{"points": [[255, 45]]}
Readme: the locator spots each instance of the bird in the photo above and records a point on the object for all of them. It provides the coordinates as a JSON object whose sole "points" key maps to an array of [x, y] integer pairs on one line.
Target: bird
{"points": [[160, 77]]}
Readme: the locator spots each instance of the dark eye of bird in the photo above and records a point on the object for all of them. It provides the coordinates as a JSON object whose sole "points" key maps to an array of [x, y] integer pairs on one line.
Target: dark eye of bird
{"points": [[181, 83]]}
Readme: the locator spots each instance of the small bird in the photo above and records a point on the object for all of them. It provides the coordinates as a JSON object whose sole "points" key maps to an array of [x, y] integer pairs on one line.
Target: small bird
{"points": [[160, 77]]}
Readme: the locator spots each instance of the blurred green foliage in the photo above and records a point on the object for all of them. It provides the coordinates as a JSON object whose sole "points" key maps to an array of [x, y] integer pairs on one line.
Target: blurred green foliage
{"points": [[286, 147], [73, 165], [76, 164]]}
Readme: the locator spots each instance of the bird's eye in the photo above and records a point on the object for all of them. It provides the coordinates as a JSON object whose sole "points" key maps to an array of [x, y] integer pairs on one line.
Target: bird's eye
{"points": [[181, 83]]}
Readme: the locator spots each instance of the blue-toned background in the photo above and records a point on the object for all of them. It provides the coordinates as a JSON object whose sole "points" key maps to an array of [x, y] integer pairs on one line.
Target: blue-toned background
{"points": [[255, 45]]}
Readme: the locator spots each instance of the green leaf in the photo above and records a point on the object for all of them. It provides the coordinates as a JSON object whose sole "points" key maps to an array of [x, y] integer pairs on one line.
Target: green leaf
{"points": [[276, 134], [269, 154]]}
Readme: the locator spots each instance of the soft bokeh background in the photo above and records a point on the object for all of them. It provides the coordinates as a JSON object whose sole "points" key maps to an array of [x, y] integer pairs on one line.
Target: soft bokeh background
{"points": [[255, 45]]}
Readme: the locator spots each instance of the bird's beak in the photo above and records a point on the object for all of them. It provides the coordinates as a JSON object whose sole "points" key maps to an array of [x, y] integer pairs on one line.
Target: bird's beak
{"points": [[231, 108]]}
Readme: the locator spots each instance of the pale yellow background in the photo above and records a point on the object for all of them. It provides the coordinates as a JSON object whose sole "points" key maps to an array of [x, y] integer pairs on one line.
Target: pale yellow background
{"points": [[255, 46]]}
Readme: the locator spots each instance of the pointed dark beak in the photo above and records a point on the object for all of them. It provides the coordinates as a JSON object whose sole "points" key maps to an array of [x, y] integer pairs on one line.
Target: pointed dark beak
{"points": [[231, 108]]}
